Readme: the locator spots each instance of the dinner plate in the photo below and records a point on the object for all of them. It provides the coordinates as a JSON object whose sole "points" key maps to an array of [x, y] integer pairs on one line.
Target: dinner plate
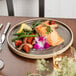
{"points": [[64, 31]]}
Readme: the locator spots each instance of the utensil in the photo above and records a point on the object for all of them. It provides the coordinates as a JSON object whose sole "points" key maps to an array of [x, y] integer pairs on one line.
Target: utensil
{"points": [[64, 31], [2, 39], [1, 64], [1, 26]]}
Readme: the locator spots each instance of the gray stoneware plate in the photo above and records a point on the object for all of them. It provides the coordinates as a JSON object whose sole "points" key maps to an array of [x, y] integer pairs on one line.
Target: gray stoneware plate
{"points": [[64, 31]]}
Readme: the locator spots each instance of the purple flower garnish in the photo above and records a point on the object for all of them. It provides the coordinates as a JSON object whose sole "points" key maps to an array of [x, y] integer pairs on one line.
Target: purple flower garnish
{"points": [[46, 45], [36, 46], [41, 43]]}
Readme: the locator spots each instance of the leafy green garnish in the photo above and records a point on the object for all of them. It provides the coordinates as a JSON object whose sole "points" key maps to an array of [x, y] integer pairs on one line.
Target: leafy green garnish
{"points": [[49, 30], [44, 25]]}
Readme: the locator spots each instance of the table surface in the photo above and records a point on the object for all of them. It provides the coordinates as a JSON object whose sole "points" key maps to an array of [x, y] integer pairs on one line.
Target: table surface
{"points": [[16, 65]]}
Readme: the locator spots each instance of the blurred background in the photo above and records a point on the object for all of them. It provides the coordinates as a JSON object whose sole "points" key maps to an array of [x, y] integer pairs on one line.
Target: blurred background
{"points": [[30, 8]]}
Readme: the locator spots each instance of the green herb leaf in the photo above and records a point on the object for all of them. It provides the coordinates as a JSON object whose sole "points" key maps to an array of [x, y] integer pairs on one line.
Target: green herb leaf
{"points": [[49, 30], [44, 25]]}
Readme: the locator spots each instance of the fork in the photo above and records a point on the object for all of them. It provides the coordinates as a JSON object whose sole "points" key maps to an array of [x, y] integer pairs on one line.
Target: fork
{"points": [[1, 26], [3, 35]]}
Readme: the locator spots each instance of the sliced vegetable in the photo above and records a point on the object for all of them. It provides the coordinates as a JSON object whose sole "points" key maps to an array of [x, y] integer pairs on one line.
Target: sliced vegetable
{"points": [[30, 40], [21, 46], [18, 43], [52, 22], [30, 45], [21, 28], [33, 42], [24, 26], [25, 40], [27, 27], [26, 48]]}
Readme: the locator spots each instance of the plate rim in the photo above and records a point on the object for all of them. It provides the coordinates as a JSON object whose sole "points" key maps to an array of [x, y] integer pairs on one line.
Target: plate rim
{"points": [[33, 56]]}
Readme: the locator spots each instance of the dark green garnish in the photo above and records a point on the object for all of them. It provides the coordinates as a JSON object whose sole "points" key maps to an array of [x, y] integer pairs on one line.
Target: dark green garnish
{"points": [[36, 24], [48, 28], [44, 25]]}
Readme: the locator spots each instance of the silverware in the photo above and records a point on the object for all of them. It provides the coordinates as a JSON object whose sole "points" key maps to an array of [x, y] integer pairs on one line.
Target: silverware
{"points": [[2, 39], [1, 64], [1, 26]]}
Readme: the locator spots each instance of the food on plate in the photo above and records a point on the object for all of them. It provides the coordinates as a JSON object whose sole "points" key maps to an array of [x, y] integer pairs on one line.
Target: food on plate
{"points": [[51, 35], [26, 48], [18, 43], [41, 35], [24, 26]]}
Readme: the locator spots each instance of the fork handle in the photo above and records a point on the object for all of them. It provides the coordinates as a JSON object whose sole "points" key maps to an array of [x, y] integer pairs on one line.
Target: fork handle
{"points": [[6, 28], [0, 46]]}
